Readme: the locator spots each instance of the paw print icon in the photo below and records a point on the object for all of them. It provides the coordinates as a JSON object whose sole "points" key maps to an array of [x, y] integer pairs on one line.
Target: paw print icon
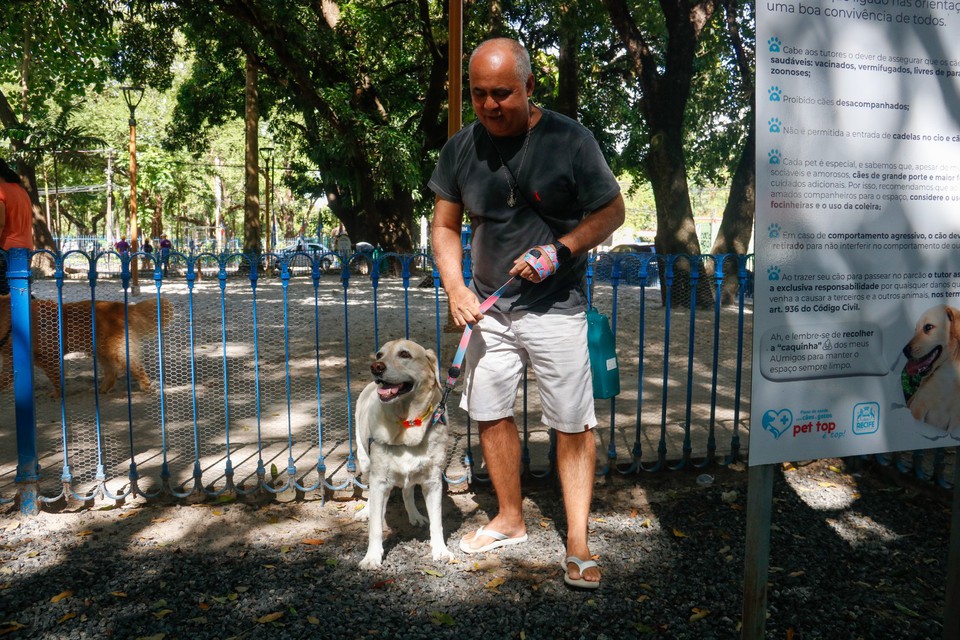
{"points": [[773, 231], [774, 125], [773, 45], [774, 156], [773, 273], [774, 93]]}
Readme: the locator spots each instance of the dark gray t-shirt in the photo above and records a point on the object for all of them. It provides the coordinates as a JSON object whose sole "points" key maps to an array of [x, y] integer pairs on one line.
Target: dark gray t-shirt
{"points": [[564, 176]]}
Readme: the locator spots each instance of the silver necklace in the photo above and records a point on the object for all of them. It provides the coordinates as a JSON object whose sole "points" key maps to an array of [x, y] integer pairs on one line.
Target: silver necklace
{"points": [[513, 185]]}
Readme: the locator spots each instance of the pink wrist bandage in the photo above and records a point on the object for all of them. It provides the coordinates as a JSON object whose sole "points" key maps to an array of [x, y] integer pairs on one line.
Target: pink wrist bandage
{"points": [[543, 259]]}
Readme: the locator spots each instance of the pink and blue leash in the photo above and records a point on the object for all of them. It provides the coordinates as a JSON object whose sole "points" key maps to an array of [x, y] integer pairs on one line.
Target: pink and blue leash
{"points": [[454, 371]]}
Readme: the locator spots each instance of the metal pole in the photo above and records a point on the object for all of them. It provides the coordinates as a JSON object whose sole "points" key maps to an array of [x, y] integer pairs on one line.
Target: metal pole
{"points": [[28, 469], [455, 69], [134, 272], [757, 554], [951, 611], [108, 225]]}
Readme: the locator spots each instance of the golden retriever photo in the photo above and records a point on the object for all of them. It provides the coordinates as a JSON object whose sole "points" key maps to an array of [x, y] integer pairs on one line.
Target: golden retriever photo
{"points": [[78, 337], [394, 413], [933, 368]]}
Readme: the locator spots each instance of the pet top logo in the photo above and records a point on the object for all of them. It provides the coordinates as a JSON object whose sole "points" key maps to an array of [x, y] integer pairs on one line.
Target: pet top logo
{"points": [[777, 422]]}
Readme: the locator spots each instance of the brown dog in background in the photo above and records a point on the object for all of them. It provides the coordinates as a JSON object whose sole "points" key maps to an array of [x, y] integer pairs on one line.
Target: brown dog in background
{"points": [[78, 337]]}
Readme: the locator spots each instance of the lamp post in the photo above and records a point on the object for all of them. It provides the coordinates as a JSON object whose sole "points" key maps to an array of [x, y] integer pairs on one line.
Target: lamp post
{"points": [[267, 154], [132, 96]]}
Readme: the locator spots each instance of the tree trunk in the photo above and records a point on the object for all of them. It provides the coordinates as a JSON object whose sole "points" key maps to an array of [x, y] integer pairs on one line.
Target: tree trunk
{"points": [[252, 228], [736, 228], [568, 71]]}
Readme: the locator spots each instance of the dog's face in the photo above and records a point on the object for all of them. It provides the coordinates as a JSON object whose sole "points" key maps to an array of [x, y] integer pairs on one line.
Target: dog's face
{"points": [[936, 338], [403, 368]]}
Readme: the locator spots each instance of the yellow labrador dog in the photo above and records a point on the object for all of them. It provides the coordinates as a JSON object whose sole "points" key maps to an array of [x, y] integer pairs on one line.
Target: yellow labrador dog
{"points": [[394, 413], [934, 354]]}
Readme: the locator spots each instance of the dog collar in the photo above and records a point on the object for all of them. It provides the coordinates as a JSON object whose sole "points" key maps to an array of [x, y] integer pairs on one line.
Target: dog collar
{"points": [[417, 422]]}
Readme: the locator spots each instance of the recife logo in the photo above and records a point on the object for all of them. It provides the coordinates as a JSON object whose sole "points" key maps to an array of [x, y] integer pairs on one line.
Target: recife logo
{"points": [[777, 422], [866, 418]]}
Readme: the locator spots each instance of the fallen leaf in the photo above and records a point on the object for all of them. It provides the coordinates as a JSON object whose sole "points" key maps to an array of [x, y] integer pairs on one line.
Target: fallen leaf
{"points": [[634, 513], [496, 582], [699, 614], [242, 588], [66, 616], [284, 549], [87, 532], [270, 617], [204, 606], [119, 594], [217, 512], [12, 526], [10, 627], [381, 584], [162, 613], [796, 574], [274, 472], [443, 618], [332, 562], [835, 469], [156, 636], [646, 523], [431, 572], [598, 519], [128, 514], [313, 620], [902, 609], [679, 534], [63, 595], [312, 541]]}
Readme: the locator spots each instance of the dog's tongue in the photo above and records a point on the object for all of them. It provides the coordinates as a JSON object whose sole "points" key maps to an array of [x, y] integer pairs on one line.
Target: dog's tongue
{"points": [[913, 367], [388, 391]]}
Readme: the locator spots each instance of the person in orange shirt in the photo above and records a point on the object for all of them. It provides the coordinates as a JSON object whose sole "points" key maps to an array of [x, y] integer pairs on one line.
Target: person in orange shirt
{"points": [[16, 219]]}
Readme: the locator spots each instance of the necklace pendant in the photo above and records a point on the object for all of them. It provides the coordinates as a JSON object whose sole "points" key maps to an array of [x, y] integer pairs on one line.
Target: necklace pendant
{"points": [[512, 198]]}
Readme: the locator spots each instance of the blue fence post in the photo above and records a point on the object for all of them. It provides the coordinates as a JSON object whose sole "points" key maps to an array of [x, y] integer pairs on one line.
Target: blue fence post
{"points": [[28, 467]]}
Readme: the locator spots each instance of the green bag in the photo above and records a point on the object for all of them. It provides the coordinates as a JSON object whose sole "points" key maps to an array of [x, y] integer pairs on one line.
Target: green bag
{"points": [[603, 355]]}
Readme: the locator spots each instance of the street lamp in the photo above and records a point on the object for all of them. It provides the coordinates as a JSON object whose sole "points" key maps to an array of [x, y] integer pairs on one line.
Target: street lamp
{"points": [[132, 96], [267, 154]]}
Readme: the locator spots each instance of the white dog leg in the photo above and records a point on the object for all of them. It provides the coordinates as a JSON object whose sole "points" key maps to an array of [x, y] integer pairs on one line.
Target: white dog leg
{"points": [[433, 493], [376, 509], [417, 519]]}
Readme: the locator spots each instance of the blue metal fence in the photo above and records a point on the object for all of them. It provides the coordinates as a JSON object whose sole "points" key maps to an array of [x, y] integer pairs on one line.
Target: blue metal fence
{"points": [[254, 371]]}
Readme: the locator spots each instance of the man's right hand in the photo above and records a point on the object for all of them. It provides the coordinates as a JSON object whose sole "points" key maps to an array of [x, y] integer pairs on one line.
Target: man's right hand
{"points": [[464, 306]]}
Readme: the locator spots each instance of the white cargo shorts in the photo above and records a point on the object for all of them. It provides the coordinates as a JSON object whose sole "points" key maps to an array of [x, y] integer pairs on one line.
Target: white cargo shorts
{"points": [[554, 344]]}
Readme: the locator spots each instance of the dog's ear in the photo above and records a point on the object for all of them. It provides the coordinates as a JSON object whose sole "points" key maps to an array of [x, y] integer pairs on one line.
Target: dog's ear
{"points": [[953, 317], [432, 359]]}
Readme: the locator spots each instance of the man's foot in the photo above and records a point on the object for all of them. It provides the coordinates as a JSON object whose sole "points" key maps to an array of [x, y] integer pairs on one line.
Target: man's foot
{"points": [[490, 537], [582, 574]]}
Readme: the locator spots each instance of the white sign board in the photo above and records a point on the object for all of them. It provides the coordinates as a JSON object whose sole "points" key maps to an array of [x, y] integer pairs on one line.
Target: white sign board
{"points": [[857, 297]]}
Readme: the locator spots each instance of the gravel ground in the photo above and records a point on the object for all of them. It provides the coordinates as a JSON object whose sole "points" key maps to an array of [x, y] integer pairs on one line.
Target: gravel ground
{"points": [[854, 555]]}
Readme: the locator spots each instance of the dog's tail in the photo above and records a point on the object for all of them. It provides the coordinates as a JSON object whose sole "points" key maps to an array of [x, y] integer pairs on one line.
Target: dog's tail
{"points": [[143, 316]]}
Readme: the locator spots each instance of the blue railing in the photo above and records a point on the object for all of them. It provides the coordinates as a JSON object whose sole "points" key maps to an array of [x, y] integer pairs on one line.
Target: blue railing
{"points": [[254, 370]]}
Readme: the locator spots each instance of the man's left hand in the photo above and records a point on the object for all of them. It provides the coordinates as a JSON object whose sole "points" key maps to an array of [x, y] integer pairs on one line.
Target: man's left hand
{"points": [[537, 263]]}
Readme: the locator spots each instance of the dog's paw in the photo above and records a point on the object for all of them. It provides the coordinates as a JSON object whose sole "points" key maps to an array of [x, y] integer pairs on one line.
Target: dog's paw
{"points": [[363, 514], [371, 562], [417, 519], [441, 553]]}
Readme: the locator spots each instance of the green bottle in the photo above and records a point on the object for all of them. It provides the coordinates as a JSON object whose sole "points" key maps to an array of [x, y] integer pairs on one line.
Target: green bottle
{"points": [[603, 355]]}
